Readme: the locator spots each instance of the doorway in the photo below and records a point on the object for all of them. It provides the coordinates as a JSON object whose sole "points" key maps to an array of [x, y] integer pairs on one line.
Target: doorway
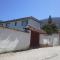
{"points": [[34, 42]]}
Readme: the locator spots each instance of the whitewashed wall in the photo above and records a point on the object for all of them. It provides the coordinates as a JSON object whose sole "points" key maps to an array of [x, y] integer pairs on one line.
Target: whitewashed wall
{"points": [[34, 24], [55, 38], [49, 39], [13, 40]]}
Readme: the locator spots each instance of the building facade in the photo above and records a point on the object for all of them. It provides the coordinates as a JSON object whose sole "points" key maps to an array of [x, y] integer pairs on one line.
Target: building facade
{"points": [[12, 40], [21, 23]]}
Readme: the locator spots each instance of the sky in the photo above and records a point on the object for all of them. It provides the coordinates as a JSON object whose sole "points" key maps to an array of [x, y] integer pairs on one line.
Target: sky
{"points": [[40, 9]]}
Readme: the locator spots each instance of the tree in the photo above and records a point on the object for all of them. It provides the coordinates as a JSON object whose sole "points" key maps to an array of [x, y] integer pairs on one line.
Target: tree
{"points": [[50, 27], [49, 20]]}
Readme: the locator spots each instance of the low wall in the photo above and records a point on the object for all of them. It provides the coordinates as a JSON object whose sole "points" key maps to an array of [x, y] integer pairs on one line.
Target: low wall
{"points": [[11, 40], [49, 40]]}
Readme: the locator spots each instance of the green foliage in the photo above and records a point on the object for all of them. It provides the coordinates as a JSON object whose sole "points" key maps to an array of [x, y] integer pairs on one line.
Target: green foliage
{"points": [[49, 20], [50, 27]]}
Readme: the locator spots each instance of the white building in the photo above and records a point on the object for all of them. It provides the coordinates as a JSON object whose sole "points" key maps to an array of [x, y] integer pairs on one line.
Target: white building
{"points": [[12, 40], [22, 23]]}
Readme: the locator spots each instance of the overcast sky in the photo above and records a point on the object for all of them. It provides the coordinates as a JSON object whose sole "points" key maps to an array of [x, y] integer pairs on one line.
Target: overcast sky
{"points": [[11, 9]]}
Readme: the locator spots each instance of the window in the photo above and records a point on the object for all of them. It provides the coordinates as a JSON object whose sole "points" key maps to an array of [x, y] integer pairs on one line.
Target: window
{"points": [[15, 23], [1, 24], [7, 24], [24, 23]]}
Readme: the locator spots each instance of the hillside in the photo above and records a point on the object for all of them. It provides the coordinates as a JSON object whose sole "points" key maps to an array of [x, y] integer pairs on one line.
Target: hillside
{"points": [[55, 20]]}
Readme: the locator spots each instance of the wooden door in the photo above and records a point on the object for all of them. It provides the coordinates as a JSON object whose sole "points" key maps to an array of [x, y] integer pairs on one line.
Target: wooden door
{"points": [[34, 42]]}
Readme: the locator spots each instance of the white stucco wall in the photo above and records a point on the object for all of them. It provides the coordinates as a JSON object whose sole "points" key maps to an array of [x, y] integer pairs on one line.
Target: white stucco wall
{"points": [[55, 38], [34, 24], [13, 40], [49, 39]]}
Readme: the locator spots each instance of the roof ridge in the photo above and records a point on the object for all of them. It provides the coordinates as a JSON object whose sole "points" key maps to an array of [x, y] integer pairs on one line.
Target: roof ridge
{"points": [[29, 17]]}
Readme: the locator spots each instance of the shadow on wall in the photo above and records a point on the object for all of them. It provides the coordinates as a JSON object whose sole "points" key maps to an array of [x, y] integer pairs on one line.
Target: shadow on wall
{"points": [[13, 40]]}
